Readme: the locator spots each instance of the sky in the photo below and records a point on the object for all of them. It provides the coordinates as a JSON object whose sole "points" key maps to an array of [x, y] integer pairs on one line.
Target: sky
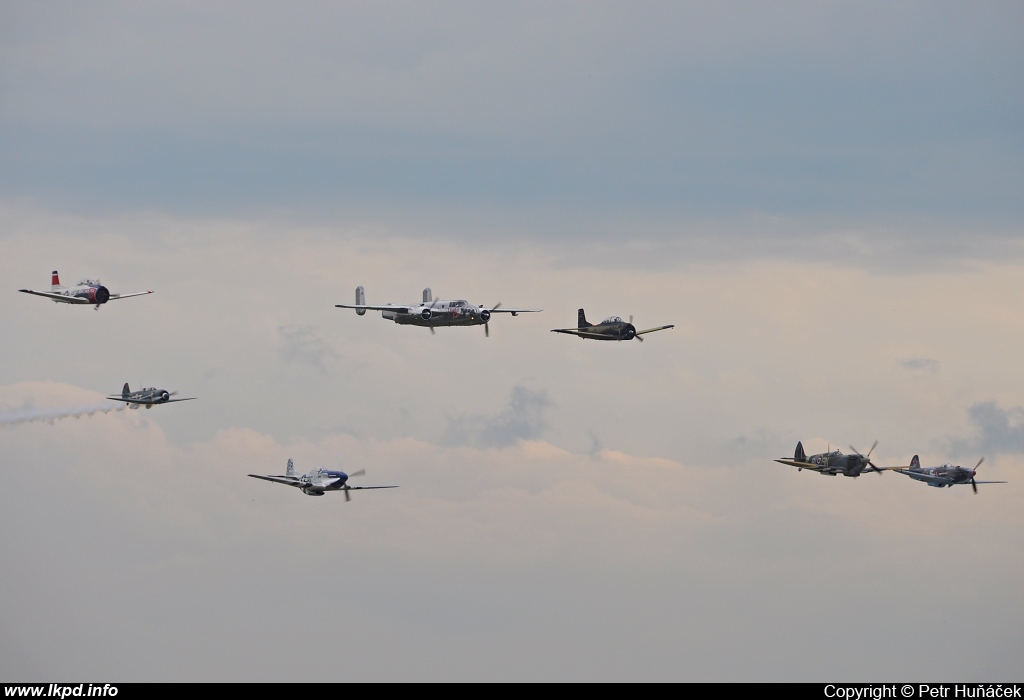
{"points": [[825, 199]]}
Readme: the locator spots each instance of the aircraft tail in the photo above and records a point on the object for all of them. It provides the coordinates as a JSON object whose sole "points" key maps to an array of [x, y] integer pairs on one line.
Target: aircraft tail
{"points": [[54, 281], [360, 299], [915, 463], [290, 471], [583, 320], [428, 296], [125, 392], [799, 455]]}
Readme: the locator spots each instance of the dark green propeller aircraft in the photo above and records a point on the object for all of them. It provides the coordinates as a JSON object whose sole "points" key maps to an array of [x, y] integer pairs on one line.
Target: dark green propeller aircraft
{"points": [[612, 328]]}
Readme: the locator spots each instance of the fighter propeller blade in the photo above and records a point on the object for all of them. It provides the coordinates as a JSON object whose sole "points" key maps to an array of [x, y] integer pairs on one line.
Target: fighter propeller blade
{"points": [[974, 485], [871, 464], [347, 496], [361, 472]]}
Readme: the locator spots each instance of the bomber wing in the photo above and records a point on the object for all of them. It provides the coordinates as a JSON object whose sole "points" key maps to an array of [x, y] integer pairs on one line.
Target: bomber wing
{"points": [[503, 310], [659, 328], [382, 307], [63, 298]]}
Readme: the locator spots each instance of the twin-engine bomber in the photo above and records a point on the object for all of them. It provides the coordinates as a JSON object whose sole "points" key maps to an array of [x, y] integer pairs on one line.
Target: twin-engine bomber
{"points": [[87, 291], [434, 312]]}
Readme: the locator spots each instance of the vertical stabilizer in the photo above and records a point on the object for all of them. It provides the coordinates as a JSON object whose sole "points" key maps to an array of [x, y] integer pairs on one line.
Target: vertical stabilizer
{"points": [[125, 392], [54, 281], [583, 320], [428, 296], [290, 471], [915, 463], [799, 455], [360, 299]]}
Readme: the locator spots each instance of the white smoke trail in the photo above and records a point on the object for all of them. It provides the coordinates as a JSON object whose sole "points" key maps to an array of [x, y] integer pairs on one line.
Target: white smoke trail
{"points": [[53, 414]]}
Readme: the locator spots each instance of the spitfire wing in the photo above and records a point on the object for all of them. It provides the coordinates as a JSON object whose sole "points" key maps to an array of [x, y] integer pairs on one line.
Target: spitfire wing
{"points": [[383, 307], [582, 334], [58, 297], [659, 328], [288, 480], [125, 296], [800, 465]]}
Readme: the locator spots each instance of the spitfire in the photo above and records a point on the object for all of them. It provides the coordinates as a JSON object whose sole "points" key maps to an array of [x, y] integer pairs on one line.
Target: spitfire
{"points": [[320, 481], [612, 328], [434, 312], [87, 291], [146, 397], [834, 462], [944, 475]]}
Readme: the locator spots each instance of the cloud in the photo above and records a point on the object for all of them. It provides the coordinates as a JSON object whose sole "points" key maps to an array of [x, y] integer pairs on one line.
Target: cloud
{"points": [[998, 430], [303, 345], [522, 419], [920, 363]]}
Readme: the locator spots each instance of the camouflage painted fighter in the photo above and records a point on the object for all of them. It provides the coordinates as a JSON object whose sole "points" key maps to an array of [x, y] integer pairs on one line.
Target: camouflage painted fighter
{"points": [[944, 474], [612, 328]]}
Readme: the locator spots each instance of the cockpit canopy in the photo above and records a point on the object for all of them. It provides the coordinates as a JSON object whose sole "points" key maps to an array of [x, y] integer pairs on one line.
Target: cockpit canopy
{"points": [[89, 283], [613, 319], [457, 304]]}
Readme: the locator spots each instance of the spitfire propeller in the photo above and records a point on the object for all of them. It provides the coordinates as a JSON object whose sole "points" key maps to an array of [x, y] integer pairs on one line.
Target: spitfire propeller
{"points": [[867, 457]]}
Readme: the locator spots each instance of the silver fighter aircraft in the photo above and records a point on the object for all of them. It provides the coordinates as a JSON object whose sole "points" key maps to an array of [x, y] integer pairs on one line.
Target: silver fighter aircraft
{"points": [[434, 312], [944, 475], [146, 397], [834, 462], [87, 291], [320, 481]]}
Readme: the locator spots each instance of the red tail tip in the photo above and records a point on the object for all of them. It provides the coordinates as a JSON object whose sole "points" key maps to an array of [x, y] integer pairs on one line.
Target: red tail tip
{"points": [[55, 279]]}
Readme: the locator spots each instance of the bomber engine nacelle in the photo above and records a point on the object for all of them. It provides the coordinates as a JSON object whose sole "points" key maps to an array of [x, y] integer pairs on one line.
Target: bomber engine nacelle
{"points": [[485, 315], [99, 295], [425, 314]]}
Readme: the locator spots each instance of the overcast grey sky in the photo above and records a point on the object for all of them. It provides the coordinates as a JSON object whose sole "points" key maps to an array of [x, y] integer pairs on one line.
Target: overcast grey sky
{"points": [[825, 199]]}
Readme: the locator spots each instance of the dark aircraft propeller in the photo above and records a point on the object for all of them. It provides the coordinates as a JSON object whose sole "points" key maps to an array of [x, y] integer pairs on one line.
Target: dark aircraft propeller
{"points": [[631, 331], [975, 471], [361, 472], [486, 316], [871, 464]]}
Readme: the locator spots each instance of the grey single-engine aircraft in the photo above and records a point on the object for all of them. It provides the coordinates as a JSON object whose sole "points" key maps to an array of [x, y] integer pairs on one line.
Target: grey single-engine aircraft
{"points": [[320, 481], [148, 397], [834, 462], [612, 328], [944, 474], [87, 291], [434, 312]]}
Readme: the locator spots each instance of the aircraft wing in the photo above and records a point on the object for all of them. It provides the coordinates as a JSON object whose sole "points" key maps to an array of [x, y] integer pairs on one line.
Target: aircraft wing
{"points": [[125, 296], [801, 465], [383, 307], [503, 310], [58, 297], [927, 478], [659, 328], [287, 480], [362, 488], [582, 334], [988, 482]]}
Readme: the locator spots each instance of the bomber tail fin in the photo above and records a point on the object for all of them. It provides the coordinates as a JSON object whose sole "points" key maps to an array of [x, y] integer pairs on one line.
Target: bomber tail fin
{"points": [[290, 471], [125, 391], [428, 296], [915, 463], [360, 299], [799, 455], [54, 281], [583, 320]]}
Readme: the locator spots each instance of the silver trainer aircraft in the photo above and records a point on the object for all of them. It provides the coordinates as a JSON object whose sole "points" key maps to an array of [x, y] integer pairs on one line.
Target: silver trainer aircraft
{"points": [[319, 482], [87, 291], [434, 312], [834, 462], [944, 475], [146, 397]]}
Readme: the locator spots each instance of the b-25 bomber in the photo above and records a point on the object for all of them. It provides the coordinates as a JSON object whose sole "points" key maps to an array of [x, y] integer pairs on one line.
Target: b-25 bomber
{"points": [[87, 291], [944, 474], [434, 312], [612, 328], [319, 481]]}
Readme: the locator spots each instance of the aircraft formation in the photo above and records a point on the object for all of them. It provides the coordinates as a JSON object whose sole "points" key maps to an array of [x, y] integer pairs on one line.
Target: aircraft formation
{"points": [[433, 313]]}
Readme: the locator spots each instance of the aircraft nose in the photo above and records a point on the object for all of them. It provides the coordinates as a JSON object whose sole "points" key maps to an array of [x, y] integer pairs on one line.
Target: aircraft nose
{"points": [[165, 396], [630, 331]]}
